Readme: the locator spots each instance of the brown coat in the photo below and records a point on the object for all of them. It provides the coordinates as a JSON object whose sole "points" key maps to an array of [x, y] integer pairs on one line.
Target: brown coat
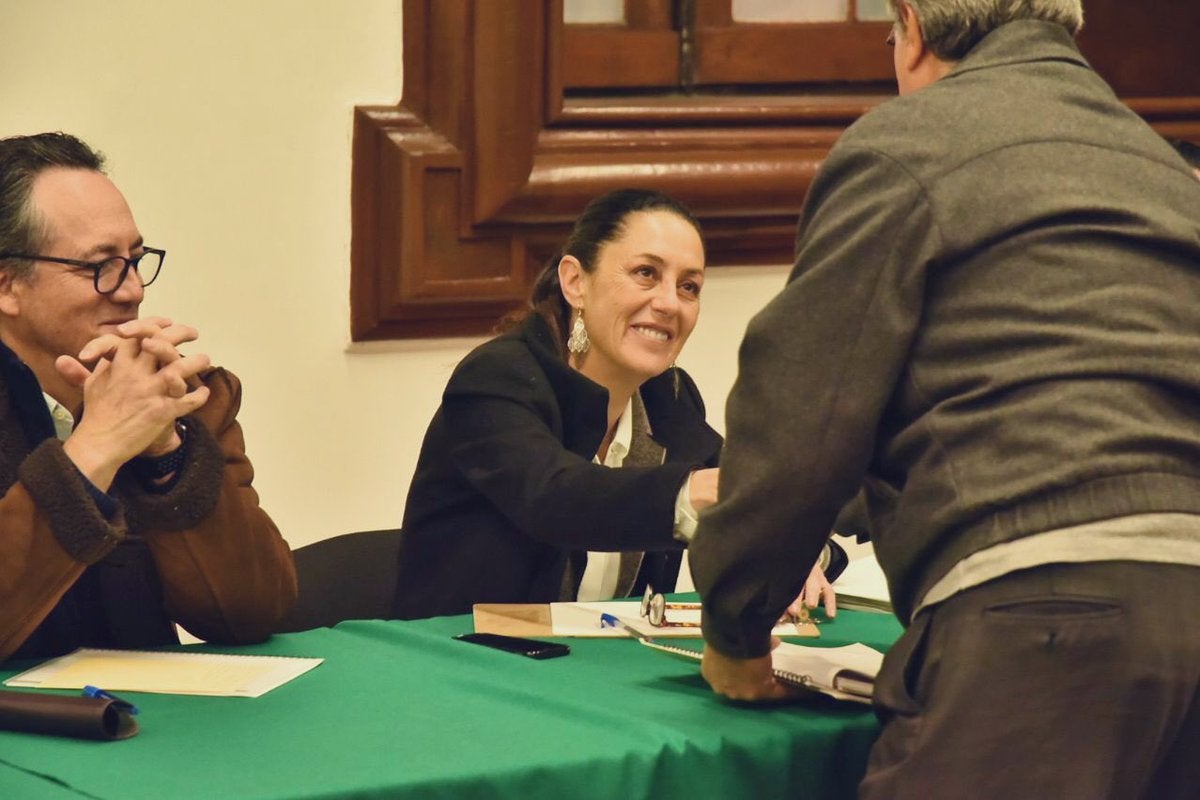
{"points": [[207, 551]]}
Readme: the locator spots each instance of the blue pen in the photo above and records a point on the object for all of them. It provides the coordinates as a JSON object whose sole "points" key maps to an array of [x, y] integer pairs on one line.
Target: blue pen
{"points": [[611, 621], [97, 692]]}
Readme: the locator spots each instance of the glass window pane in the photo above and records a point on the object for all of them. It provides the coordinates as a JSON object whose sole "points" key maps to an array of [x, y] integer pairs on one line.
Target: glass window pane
{"points": [[790, 10], [874, 10], [594, 12]]}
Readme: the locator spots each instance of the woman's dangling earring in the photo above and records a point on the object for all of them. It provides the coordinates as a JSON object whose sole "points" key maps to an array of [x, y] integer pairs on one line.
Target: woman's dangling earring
{"points": [[578, 342]]}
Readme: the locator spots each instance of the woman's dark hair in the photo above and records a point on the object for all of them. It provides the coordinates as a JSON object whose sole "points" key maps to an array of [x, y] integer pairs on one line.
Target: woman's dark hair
{"points": [[602, 221]]}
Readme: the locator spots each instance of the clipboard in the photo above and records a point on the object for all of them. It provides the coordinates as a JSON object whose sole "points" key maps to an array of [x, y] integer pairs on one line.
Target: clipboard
{"points": [[513, 619]]}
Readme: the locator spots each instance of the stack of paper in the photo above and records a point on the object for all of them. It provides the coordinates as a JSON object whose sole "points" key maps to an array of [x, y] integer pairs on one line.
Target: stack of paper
{"points": [[863, 587], [165, 673]]}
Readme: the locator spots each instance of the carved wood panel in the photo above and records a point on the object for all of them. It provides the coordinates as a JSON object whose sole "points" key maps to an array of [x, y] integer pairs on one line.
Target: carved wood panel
{"points": [[462, 191]]}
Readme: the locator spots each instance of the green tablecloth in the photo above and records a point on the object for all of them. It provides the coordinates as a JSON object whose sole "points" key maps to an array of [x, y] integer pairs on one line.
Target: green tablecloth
{"points": [[400, 710]]}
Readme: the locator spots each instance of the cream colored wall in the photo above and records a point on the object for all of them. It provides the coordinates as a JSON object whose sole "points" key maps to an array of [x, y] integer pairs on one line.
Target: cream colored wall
{"points": [[227, 124]]}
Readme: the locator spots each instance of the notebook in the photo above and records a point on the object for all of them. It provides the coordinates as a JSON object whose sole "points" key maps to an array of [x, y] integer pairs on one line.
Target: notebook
{"points": [[843, 673]]}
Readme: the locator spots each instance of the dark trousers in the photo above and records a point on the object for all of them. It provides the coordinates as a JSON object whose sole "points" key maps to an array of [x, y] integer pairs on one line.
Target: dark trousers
{"points": [[1062, 681]]}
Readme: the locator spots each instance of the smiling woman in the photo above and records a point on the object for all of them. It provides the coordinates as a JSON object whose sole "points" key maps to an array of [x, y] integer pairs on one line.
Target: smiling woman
{"points": [[515, 498], [638, 303], [634, 299]]}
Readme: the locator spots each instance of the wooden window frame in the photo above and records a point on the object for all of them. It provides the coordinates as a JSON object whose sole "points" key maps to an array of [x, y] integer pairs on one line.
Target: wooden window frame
{"points": [[836, 52], [462, 191], [642, 52]]}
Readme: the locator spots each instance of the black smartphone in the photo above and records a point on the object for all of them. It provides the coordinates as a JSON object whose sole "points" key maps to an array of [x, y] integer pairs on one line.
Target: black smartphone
{"points": [[531, 648]]}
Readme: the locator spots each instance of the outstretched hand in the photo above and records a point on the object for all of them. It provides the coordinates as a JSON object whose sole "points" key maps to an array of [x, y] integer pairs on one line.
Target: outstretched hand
{"points": [[817, 590]]}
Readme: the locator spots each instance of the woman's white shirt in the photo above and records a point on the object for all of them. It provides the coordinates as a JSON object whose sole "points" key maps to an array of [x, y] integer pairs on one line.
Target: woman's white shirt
{"points": [[603, 568]]}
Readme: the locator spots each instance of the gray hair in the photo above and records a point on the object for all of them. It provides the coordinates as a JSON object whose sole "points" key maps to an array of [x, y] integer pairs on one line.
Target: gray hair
{"points": [[951, 28], [22, 159]]}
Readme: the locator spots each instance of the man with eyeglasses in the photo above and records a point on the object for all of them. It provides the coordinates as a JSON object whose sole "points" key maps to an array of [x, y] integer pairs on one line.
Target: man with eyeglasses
{"points": [[127, 504], [993, 326]]}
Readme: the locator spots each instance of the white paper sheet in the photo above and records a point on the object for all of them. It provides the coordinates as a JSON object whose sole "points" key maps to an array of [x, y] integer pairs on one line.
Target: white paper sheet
{"points": [[863, 585], [165, 673]]}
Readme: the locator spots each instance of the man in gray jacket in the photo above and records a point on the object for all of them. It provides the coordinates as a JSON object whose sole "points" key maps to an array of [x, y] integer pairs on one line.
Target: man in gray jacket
{"points": [[993, 325]]}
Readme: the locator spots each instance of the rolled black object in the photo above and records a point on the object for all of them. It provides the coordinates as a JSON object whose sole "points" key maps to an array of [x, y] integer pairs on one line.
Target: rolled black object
{"points": [[64, 715]]}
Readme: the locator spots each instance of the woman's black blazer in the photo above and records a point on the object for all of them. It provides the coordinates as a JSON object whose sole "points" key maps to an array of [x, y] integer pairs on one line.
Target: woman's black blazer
{"points": [[505, 486]]}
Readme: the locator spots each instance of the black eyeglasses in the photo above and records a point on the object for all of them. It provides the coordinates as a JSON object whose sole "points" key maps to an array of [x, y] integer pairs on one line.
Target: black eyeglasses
{"points": [[109, 274], [655, 605], [654, 609]]}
